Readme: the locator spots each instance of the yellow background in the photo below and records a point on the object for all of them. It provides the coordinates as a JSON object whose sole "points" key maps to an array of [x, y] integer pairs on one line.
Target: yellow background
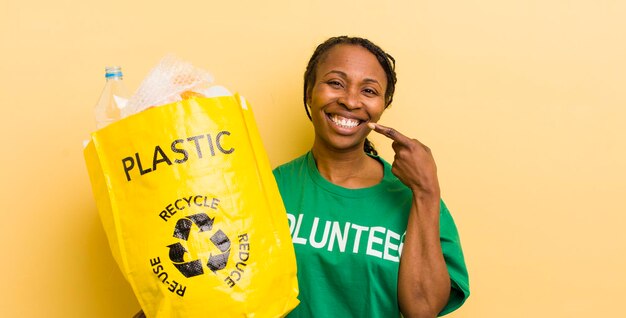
{"points": [[523, 103]]}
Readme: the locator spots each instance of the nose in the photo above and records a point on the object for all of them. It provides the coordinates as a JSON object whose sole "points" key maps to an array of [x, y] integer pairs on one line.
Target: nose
{"points": [[350, 99]]}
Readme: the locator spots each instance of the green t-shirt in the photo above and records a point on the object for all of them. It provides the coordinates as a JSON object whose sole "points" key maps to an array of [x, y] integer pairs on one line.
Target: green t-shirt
{"points": [[348, 243]]}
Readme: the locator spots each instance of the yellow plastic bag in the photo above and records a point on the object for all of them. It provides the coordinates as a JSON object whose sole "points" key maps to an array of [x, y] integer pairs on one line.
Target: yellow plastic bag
{"points": [[192, 212]]}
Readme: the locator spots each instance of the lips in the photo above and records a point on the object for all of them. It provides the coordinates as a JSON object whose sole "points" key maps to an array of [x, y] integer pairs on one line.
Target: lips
{"points": [[344, 122]]}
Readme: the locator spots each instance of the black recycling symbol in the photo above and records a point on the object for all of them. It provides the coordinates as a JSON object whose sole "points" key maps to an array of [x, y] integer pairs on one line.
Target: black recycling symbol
{"points": [[177, 250]]}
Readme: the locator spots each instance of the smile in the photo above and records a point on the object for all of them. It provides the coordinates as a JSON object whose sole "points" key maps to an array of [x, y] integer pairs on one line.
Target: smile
{"points": [[343, 121]]}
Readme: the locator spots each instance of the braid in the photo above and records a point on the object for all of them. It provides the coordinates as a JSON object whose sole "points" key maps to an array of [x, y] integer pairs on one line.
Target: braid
{"points": [[368, 147]]}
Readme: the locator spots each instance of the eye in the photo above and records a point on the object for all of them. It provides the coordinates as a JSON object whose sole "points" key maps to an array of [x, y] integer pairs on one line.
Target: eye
{"points": [[370, 91], [335, 83]]}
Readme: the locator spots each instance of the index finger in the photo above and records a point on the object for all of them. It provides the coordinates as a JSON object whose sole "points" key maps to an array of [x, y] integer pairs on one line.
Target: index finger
{"points": [[389, 133]]}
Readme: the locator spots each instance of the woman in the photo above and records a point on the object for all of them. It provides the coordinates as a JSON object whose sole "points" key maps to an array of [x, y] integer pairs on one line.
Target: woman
{"points": [[371, 239]]}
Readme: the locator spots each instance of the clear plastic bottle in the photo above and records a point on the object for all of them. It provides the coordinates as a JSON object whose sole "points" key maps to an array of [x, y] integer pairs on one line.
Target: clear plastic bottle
{"points": [[113, 98]]}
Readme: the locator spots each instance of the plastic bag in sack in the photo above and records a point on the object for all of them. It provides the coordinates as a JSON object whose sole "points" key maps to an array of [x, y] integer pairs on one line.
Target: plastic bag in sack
{"points": [[192, 212], [172, 80]]}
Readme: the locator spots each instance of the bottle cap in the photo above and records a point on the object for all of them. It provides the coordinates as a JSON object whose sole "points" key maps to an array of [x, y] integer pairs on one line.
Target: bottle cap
{"points": [[113, 71]]}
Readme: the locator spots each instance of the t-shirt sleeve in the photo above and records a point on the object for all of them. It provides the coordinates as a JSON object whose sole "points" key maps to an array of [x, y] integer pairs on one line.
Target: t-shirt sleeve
{"points": [[278, 176], [453, 255]]}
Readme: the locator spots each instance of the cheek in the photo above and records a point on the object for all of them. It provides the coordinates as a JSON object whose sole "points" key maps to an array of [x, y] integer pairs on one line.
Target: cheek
{"points": [[317, 116], [318, 99], [376, 111]]}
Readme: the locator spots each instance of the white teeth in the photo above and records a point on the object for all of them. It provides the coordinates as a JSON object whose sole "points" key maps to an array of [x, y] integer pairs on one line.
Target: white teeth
{"points": [[344, 122]]}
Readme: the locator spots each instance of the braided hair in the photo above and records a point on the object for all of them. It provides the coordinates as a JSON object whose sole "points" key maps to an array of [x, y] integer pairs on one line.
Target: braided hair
{"points": [[387, 62]]}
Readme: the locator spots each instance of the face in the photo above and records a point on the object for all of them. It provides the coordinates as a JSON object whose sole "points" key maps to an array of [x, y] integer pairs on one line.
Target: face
{"points": [[349, 92]]}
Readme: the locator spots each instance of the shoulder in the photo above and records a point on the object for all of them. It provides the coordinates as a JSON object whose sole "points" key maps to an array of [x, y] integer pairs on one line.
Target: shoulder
{"points": [[290, 170]]}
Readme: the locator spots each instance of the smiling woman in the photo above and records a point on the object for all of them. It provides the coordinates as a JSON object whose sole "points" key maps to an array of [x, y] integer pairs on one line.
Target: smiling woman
{"points": [[385, 61], [371, 239], [348, 92]]}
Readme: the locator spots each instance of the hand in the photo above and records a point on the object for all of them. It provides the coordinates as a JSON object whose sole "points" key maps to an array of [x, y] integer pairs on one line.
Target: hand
{"points": [[413, 162]]}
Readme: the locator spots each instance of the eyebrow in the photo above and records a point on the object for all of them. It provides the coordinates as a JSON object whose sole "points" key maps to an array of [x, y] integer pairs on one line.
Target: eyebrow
{"points": [[343, 74]]}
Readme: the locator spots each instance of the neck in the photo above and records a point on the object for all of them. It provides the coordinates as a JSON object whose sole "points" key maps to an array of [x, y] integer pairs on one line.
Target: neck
{"points": [[350, 169]]}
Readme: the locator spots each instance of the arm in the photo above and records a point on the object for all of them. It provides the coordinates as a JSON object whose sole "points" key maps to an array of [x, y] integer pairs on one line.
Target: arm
{"points": [[423, 282]]}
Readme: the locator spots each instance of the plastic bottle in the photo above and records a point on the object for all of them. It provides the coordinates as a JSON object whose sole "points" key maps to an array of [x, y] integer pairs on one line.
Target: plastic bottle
{"points": [[113, 98]]}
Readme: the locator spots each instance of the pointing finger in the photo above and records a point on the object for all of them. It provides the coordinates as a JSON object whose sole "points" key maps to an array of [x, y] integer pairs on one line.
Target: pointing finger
{"points": [[390, 133]]}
